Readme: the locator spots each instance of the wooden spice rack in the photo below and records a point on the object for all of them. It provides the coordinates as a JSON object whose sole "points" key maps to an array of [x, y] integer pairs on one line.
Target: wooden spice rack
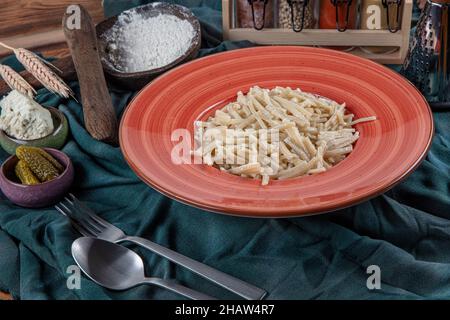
{"points": [[328, 37]]}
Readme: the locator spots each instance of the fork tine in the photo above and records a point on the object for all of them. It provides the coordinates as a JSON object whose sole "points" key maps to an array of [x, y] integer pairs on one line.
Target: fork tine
{"points": [[91, 213], [77, 227], [86, 216], [82, 222], [82, 230], [88, 210], [61, 211]]}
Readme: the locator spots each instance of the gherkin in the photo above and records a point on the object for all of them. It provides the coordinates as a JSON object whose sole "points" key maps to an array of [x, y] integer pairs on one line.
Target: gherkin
{"points": [[42, 164], [24, 173], [52, 160]]}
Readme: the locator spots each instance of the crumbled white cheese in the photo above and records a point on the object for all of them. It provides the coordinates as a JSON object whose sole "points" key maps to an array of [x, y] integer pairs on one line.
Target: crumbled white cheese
{"points": [[23, 118]]}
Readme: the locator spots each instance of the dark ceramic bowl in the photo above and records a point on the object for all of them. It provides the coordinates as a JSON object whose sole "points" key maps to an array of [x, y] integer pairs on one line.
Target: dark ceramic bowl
{"points": [[54, 140], [137, 80], [39, 195]]}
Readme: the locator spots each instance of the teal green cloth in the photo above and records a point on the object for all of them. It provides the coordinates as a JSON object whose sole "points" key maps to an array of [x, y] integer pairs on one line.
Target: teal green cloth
{"points": [[406, 232]]}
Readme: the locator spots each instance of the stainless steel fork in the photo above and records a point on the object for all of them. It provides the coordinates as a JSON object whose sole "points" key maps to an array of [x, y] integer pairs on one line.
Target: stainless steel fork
{"points": [[91, 225]]}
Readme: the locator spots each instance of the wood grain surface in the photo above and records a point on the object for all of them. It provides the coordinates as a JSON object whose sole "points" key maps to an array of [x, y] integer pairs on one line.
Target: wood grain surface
{"points": [[34, 23], [22, 17], [5, 296], [98, 111]]}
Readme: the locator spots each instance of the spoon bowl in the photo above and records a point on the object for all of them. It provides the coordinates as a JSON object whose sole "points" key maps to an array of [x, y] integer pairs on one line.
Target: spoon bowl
{"points": [[112, 266], [118, 268]]}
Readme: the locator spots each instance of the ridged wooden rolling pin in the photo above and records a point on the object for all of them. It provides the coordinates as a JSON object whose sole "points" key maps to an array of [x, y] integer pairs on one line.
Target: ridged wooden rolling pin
{"points": [[99, 115]]}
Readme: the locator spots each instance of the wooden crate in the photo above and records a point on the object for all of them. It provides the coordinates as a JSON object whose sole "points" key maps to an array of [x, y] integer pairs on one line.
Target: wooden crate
{"points": [[327, 37]]}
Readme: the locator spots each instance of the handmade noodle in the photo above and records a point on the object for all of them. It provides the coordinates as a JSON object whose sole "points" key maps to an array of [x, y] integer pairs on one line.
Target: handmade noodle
{"points": [[278, 134]]}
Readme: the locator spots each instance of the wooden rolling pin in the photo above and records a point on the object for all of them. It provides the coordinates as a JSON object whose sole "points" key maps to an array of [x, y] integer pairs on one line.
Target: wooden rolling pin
{"points": [[99, 115], [63, 64]]}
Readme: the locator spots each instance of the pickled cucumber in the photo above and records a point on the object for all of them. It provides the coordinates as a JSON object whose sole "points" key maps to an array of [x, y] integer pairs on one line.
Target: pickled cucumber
{"points": [[43, 168], [24, 173], [52, 160]]}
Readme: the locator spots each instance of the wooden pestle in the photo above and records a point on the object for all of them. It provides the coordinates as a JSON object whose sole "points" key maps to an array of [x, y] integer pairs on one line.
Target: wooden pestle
{"points": [[99, 115]]}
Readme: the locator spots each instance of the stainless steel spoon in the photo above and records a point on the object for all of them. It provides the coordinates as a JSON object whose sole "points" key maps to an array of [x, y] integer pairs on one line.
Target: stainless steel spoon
{"points": [[118, 268]]}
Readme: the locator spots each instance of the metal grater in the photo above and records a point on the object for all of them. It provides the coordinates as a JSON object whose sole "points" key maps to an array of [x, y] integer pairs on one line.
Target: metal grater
{"points": [[427, 62]]}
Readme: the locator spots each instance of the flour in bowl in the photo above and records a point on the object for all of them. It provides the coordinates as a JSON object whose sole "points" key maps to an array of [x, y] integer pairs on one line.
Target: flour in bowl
{"points": [[136, 43]]}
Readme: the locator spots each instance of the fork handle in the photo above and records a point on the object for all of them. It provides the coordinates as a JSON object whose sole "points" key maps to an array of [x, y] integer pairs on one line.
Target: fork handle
{"points": [[178, 288], [239, 287]]}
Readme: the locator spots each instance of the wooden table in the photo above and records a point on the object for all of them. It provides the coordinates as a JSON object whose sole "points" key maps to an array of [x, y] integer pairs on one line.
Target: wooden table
{"points": [[5, 296], [36, 25]]}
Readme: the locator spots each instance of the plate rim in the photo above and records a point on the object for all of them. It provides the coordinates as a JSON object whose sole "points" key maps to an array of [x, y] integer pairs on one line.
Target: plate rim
{"points": [[285, 213]]}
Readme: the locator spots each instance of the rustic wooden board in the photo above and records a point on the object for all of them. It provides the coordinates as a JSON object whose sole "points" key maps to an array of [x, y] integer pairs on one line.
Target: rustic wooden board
{"points": [[57, 50], [22, 17], [5, 296], [33, 23]]}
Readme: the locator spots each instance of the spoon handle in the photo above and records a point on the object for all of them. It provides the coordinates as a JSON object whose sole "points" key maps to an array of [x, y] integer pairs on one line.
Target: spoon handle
{"points": [[245, 290], [178, 288]]}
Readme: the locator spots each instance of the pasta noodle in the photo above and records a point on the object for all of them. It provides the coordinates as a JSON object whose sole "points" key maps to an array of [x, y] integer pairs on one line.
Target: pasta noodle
{"points": [[280, 133]]}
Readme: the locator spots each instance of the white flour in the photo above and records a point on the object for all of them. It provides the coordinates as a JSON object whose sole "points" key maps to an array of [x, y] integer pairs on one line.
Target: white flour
{"points": [[136, 43]]}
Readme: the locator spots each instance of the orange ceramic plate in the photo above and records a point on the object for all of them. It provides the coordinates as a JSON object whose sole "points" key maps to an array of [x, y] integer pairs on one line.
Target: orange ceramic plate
{"points": [[387, 151]]}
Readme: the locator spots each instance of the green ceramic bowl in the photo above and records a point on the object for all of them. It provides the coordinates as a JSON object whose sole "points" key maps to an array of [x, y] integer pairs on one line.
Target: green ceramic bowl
{"points": [[55, 140]]}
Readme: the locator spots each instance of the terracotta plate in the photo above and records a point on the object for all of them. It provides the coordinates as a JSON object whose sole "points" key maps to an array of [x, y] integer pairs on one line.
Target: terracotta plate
{"points": [[387, 151]]}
